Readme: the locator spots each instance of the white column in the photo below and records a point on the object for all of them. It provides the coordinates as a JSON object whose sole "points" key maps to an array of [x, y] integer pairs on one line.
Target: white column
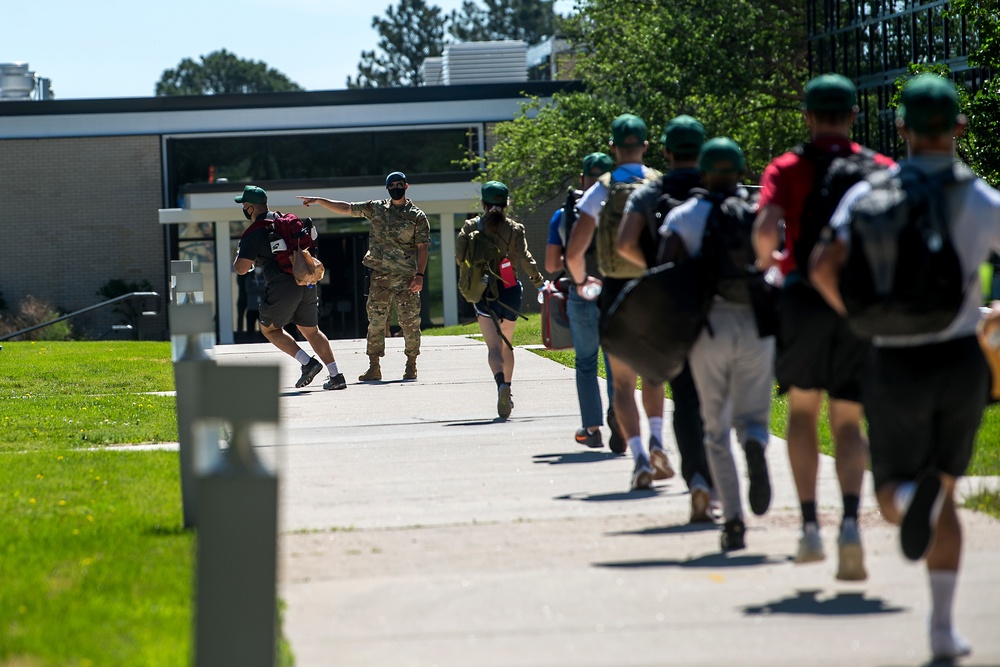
{"points": [[449, 276], [223, 283]]}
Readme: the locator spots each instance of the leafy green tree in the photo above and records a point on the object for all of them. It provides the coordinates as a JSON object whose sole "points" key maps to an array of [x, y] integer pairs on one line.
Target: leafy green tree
{"points": [[221, 73], [410, 33], [983, 109], [531, 21], [737, 65]]}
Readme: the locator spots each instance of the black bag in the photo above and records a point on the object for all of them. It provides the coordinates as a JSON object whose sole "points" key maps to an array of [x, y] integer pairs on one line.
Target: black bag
{"points": [[834, 175], [657, 317], [902, 275]]}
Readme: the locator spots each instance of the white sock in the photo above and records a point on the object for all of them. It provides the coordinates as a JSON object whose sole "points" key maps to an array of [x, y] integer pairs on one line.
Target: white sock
{"points": [[302, 357], [656, 428], [945, 642], [904, 496], [635, 446], [943, 584], [332, 367]]}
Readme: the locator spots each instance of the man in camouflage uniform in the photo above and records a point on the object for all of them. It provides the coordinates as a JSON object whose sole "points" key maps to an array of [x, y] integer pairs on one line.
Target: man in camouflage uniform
{"points": [[397, 257]]}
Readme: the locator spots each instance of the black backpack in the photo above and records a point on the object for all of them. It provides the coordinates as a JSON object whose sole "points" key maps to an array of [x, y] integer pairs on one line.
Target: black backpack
{"points": [[676, 186], [834, 175], [727, 245], [656, 318], [902, 275]]}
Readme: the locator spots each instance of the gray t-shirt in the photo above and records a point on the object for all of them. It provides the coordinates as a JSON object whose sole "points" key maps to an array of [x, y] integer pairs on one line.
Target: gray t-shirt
{"points": [[975, 215]]}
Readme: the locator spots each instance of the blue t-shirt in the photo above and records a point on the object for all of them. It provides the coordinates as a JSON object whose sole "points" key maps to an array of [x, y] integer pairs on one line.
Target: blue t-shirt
{"points": [[555, 238]]}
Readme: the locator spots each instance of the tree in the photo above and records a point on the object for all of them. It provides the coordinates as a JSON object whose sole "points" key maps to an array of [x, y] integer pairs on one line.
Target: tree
{"points": [[409, 34], [737, 65], [531, 21], [221, 73], [983, 109]]}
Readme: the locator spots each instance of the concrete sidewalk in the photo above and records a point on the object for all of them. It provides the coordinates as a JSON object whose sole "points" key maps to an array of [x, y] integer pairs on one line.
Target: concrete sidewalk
{"points": [[417, 529]]}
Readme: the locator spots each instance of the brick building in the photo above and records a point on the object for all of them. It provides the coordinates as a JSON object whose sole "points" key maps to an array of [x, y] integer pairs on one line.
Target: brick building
{"points": [[101, 190]]}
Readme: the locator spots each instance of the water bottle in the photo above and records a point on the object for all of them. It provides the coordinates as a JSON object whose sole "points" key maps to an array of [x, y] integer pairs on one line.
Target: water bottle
{"points": [[541, 291], [591, 291]]}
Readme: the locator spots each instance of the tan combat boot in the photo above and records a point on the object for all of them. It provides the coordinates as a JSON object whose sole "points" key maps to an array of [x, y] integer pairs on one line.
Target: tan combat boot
{"points": [[374, 372], [411, 368]]}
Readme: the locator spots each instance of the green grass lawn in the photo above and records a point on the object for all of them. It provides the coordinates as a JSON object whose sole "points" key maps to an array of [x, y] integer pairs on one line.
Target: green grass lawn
{"points": [[95, 566]]}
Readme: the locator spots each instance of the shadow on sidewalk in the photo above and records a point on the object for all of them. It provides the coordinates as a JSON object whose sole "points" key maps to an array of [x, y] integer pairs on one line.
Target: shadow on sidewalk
{"points": [[676, 529], [807, 602], [708, 560], [643, 494], [576, 457]]}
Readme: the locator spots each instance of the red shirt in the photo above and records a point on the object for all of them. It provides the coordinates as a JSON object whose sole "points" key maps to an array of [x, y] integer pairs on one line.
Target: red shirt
{"points": [[787, 181]]}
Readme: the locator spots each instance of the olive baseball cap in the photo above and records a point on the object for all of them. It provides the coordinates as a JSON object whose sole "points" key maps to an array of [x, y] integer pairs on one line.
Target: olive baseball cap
{"points": [[830, 92], [684, 135], [251, 195], [395, 176], [929, 105], [495, 192], [596, 164], [628, 131], [721, 155]]}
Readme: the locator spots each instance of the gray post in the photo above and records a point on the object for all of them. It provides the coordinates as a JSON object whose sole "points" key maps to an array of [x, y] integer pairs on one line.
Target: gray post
{"points": [[191, 325], [236, 609]]}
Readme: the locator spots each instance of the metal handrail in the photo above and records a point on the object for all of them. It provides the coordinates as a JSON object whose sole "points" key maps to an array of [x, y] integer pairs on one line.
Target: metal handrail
{"points": [[123, 297]]}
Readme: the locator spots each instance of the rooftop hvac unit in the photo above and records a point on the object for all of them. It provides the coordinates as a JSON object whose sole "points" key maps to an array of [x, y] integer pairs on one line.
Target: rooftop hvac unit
{"points": [[485, 62], [431, 71], [16, 81]]}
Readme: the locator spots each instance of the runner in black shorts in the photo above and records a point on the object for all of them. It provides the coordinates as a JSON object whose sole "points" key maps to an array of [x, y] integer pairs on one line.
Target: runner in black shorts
{"points": [[816, 349], [925, 391], [285, 301]]}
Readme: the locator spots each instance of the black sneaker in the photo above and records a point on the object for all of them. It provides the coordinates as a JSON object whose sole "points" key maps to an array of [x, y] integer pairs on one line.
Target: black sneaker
{"points": [[589, 438], [616, 443], [733, 535], [309, 372], [505, 403], [917, 527], [335, 382], [759, 494]]}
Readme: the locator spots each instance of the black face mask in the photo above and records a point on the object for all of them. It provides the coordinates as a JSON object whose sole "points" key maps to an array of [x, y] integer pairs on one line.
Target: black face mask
{"points": [[246, 214], [397, 193]]}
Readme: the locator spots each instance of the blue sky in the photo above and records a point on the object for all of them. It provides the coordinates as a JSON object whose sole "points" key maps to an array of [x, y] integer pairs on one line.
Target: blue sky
{"points": [[120, 48]]}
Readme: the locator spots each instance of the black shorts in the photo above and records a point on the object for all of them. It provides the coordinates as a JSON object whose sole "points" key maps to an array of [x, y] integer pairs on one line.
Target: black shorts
{"points": [[815, 347], [924, 405], [507, 305], [286, 302]]}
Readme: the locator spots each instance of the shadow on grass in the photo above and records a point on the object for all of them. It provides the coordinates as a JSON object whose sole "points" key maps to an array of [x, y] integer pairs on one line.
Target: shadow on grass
{"points": [[808, 602], [166, 531]]}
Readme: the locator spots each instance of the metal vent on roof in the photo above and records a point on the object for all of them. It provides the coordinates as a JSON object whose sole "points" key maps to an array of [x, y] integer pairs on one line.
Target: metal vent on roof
{"points": [[431, 71], [16, 81], [485, 62]]}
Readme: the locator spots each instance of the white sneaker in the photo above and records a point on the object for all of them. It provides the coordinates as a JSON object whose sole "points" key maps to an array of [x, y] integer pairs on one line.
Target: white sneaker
{"points": [[810, 545], [946, 644], [852, 555]]}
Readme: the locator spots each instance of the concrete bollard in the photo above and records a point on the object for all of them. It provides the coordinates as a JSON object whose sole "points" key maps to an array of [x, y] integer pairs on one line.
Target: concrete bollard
{"points": [[191, 325], [236, 609]]}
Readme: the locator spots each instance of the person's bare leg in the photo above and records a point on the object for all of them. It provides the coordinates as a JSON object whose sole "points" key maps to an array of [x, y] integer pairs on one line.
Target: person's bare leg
{"points": [[851, 445], [803, 442], [623, 378], [319, 342], [281, 339]]}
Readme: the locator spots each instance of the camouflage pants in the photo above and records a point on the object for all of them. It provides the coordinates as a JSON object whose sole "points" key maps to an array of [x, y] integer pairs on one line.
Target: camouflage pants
{"points": [[383, 290]]}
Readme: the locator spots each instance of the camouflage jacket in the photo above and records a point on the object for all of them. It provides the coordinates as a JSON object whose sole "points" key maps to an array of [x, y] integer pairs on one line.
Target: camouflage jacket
{"points": [[395, 233]]}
